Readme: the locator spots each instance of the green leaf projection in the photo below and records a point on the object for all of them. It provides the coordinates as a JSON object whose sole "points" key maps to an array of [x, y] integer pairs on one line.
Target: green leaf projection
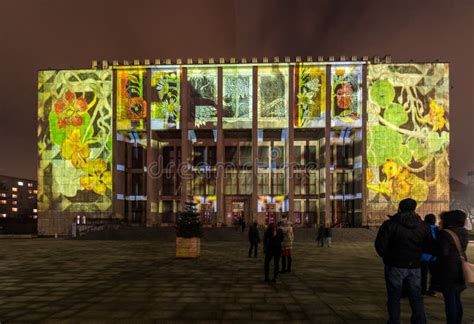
{"points": [[407, 136], [132, 107], [273, 97], [237, 97], [203, 96], [311, 96], [166, 105], [75, 141], [346, 97]]}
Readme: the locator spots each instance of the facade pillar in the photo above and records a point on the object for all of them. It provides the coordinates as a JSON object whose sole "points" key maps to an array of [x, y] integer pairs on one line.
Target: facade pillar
{"points": [[220, 152], [254, 206], [152, 194], [184, 170], [291, 144], [327, 150]]}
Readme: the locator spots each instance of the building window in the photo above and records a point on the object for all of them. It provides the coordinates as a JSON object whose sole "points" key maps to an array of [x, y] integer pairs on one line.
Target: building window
{"points": [[35, 191], [3, 195], [230, 181], [14, 209], [35, 210], [14, 189], [14, 196], [20, 183], [30, 185], [14, 202], [3, 202]]}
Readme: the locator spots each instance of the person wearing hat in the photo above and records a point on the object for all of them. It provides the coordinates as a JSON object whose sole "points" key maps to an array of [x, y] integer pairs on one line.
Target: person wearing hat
{"points": [[452, 280], [400, 242]]}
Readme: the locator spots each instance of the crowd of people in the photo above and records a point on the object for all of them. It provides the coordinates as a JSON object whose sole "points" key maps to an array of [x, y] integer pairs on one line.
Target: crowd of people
{"points": [[412, 250]]}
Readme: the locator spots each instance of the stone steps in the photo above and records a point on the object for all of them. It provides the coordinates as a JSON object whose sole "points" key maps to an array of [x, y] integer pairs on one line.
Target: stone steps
{"points": [[126, 232]]}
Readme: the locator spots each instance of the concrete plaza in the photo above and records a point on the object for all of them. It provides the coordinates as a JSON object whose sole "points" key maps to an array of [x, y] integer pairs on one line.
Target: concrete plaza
{"points": [[141, 281]]}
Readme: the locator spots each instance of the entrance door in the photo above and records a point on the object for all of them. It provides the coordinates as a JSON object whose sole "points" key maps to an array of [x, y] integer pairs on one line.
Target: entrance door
{"points": [[270, 213], [206, 215], [238, 212]]}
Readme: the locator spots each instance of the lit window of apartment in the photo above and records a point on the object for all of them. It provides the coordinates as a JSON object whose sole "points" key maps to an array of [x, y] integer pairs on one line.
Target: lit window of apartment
{"points": [[14, 202], [3, 202], [3, 194], [4, 215], [30, 185], [14, 196], [14, 209], [14, 189], [35, 210], [35, 191], [20, 183]]}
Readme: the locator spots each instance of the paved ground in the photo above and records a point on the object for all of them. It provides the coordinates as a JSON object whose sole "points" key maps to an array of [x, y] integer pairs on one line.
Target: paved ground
{"points": [[138, 281]]}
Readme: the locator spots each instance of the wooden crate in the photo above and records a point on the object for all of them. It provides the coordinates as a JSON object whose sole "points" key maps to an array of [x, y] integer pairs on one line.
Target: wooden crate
{"points": [[188, 247]]}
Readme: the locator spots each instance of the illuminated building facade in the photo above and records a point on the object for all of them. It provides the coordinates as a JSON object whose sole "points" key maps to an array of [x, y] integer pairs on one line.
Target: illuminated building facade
{"points": [[338, 143]]}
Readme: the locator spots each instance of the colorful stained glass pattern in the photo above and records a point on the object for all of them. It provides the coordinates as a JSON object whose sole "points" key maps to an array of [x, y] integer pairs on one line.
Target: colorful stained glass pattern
{"points": [[165, 105], [75, 141], [311, 96], [273, 96], [203, 96], [237, 97], [131, 106], [346, 95], [408, 135]]}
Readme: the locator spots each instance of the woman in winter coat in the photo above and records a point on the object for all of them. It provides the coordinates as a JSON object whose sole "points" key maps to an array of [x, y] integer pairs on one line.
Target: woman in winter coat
{"points": [[272, 248], [450, 265], [287, 245]]}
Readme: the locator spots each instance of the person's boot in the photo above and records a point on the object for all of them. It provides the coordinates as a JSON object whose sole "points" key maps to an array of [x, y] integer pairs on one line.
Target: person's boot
{"points": [[289, 264]]}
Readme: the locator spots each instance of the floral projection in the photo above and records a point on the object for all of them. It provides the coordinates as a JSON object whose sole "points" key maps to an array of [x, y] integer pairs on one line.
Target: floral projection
{"points": [[165, 107], [408, 135], [346, 98], [203, 96], [75, 141], [273, 98], [311, 96], [131, 105]]}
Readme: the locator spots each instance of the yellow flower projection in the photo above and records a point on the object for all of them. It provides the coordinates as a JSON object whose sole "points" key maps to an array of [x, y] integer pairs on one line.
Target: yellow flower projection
{"points": [[97, 178], [436, 116], [72, 149]]}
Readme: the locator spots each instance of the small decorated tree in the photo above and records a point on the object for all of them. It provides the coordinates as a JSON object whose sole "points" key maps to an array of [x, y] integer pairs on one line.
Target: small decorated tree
{"points": [[188, 232]]}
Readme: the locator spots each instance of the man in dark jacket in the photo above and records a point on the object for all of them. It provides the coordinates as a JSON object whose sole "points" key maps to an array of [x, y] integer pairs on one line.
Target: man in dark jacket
{"points": [[400, 242], [254, 239], [272, 247]]}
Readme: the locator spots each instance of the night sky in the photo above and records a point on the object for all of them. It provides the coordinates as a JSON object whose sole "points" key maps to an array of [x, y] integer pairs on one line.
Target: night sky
{"points": [[60, 34]]}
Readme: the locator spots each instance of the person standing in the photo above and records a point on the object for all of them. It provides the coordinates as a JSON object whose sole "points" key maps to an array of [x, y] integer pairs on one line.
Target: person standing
{"points": [[321, 233], [254, 239], [452, 240], [428, 261], [272, 248], [399, 242], [328, 236], [287, 245]]}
